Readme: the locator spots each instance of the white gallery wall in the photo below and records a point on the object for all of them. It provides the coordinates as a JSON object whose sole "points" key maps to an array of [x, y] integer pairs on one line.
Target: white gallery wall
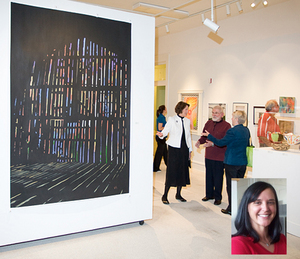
{"points": [[281, 164], [35, 222], [257, 60]]}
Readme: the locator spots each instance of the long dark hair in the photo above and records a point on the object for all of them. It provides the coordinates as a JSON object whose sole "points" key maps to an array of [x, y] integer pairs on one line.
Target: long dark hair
{"points": [[160, 110], [242, 221]]}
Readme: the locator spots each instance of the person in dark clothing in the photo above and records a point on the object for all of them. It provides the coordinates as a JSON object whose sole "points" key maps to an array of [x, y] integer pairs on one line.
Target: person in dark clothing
{"points": [[162, 150], [235, 160], [214, 156], [180, 148]]}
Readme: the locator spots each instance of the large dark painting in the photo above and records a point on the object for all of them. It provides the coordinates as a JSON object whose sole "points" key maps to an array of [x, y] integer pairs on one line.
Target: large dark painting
{"points": [[70, 106]]}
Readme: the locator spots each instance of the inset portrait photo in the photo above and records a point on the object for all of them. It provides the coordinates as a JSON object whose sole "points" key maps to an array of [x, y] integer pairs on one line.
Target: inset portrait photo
{"points": [[259, 209]]}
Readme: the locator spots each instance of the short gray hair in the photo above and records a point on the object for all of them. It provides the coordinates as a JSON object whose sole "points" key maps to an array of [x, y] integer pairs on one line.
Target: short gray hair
{"points": [[270, 104], [219, 108], [241, 115]]}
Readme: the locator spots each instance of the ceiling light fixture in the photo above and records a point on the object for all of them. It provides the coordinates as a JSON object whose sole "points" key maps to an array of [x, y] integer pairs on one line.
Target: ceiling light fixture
{"points": [[167, 28], [228, 9], [201, 12], [210, 23], [177, 14], [149, 8], [239, 6], [162, 11], [255, 3]]}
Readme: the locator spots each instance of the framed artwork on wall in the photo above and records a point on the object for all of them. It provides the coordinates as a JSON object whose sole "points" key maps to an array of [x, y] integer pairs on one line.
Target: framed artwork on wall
{"points": [[257, 112], [286, 126], [287, 104], [212, 105], [241, 107], [194, 99]]}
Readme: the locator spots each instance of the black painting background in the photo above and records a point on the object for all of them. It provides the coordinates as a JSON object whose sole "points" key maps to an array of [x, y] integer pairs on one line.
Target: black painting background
{"points": [[38, 31], [35, 34]]}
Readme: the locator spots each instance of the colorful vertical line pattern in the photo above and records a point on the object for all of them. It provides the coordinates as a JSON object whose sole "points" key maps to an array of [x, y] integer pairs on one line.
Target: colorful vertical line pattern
{"points": [[71, 106]]}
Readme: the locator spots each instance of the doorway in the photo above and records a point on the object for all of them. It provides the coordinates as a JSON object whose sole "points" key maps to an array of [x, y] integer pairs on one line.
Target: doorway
{"points": [[159, 99]]}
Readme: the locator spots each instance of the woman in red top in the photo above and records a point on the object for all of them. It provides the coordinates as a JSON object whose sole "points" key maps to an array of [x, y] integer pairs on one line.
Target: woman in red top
{"points": [[257, 222]]}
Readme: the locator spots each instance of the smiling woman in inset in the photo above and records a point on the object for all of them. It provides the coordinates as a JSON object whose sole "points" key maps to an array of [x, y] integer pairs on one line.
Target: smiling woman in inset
{"points": [[257, 222]]}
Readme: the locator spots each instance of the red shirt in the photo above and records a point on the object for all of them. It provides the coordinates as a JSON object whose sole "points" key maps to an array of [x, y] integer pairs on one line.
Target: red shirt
{"points": [[245, 245], [218, 130], [267, 123]]}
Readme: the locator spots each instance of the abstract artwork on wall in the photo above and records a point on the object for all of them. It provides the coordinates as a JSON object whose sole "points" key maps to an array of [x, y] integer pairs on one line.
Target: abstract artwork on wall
{"points": [[194, 99], [192, 114], [287, 104], [70, 106]]}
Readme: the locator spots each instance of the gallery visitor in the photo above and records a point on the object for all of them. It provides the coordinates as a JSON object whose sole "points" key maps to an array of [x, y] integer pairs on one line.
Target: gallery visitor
{"points": [[180, 148], [161, 150], [235, 160], [267, 122], [214, 156]]}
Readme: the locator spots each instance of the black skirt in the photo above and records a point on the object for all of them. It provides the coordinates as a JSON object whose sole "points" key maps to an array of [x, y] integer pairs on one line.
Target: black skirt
{"points": [[178, 167]]}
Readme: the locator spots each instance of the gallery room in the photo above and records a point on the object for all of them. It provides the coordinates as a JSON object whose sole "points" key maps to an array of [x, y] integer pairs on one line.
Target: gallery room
{"points": [[81, 85]]}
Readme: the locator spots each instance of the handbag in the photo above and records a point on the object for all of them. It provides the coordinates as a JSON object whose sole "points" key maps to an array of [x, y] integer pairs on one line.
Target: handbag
{"points": [[249, 153]]}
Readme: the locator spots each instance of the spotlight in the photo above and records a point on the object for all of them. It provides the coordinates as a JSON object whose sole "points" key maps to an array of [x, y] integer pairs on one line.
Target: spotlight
{"points": [[227, 9], [167, 28], [255, 3], [265, 2], [210, 23], [238, 4], [213, 26]]}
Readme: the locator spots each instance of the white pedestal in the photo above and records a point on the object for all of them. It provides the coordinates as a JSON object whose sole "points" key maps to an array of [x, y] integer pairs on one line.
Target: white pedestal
{"points": [[270, 163]]}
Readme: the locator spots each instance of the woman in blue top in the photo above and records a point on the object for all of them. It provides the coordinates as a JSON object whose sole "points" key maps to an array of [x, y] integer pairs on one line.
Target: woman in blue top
{"points": [[162, 150], [235, 160]]}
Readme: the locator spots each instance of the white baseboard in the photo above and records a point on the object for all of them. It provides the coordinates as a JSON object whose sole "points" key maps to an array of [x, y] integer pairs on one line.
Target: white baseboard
{"points": [[293, 228]]}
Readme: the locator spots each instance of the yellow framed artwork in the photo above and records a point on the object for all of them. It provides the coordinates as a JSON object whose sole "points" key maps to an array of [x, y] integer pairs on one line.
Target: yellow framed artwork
{"points": [[194, 99]]}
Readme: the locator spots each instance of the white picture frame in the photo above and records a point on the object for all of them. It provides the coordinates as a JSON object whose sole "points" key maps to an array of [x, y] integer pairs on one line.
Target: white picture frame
{"points": [[237, 106], [212, 105]]}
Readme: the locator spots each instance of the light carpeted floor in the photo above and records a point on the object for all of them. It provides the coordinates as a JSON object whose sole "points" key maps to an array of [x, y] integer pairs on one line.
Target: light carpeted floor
{"points": [[194, 229]]}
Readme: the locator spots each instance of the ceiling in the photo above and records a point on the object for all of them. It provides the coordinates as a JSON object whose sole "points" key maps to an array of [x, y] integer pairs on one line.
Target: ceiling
{"points": [[194, 9]]}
